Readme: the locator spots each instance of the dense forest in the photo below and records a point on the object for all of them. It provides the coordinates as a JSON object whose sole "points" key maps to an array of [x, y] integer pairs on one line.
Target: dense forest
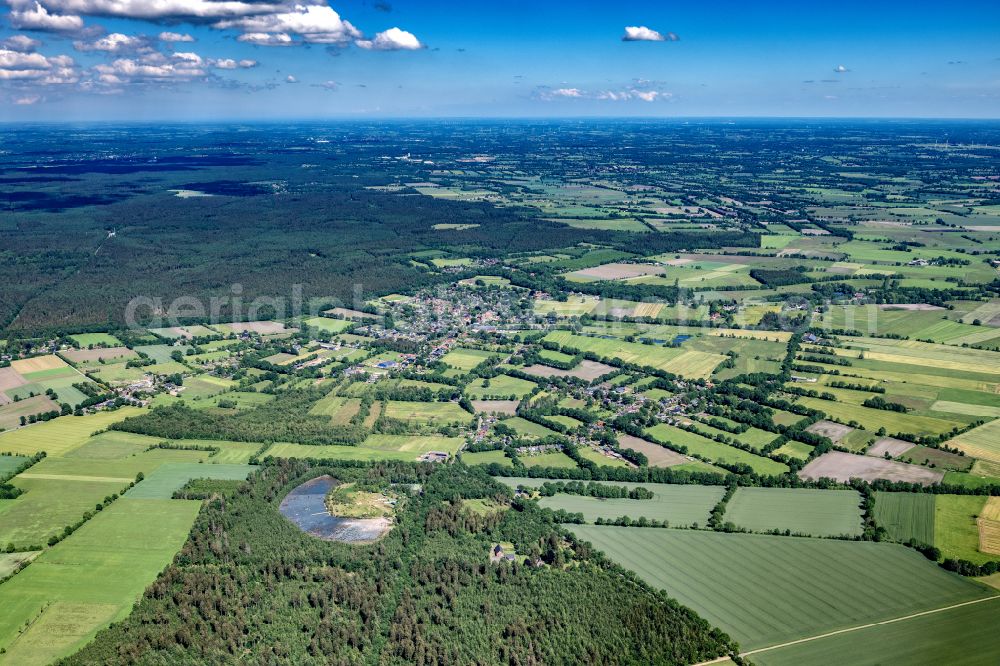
{"points": [[285, 419], [250, 586]]}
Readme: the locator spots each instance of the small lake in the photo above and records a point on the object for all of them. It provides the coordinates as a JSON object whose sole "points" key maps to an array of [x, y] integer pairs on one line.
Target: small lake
{"points": [[306, 507]]}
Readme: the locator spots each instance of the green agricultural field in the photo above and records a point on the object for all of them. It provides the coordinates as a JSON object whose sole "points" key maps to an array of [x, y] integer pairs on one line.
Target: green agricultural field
{"points": [[90, 579], [955, 530], [874, 419], [161, 353], [715, 451], [906, 516], [113, 445], [501, 385], [691, 364], [205, 386], [565, 421], [765, 590], [558, 357], [340, 410], [426, 412], [795, 449], [85, 340], [328, 325], [528, 428], [962, 636], [10, 463], [167, 478], [801, 510], [47, 505], [682, 505], [375, 447], [117, 373], [982, 442], [61, 435], [487, 457], [465, 359], [574, 306]]}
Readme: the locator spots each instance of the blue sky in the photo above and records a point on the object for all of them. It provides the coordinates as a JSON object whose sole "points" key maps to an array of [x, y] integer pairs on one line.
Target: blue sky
{"points": [[274, 59]]}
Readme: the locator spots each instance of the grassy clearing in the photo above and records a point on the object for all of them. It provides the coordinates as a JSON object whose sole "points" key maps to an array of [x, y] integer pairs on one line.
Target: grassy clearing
{"points": [[955, 529], [205, 386], [487, 457], [122, 550], [328, 325], [765, 590], [528, 428], [465, 359], [964, 636], [803, 511], [795, 449], [555, 459], [906, 516], [501, 385], [681, 505], [715, 451], [87, 339], [426, 412]]}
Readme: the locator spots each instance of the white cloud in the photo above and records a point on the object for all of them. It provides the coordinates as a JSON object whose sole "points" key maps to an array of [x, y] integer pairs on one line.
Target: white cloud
{"points": [[153, 67], [625, 94], [35, 67], [21, 43], [841, 69], [160, 9], [640, 33], [266, 39], [291, 79], [317, 24], [392, 39], [229, 63], [39, 18], [327, 85], [173, 37], [116, 42], [28, 100], [125, 68]]}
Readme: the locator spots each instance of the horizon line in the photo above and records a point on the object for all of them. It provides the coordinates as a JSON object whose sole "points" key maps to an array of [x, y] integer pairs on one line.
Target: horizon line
{"points": [[489, 118]]}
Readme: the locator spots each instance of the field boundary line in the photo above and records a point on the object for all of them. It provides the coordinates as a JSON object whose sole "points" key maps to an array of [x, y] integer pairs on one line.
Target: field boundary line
{"points": [[870, 624]]}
